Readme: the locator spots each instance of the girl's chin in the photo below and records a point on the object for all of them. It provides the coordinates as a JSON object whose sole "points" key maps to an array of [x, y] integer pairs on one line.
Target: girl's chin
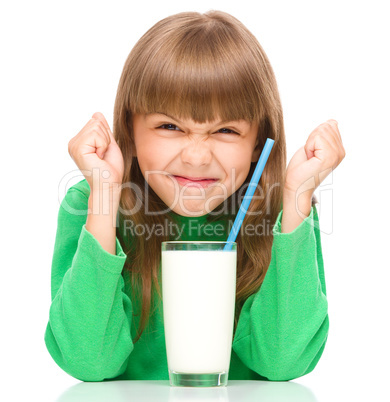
{"points": [[194, 211], [191, 212]]}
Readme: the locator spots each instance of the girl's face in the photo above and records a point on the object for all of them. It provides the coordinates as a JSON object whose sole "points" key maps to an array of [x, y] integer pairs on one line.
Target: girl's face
{"points": [[193, 167]]}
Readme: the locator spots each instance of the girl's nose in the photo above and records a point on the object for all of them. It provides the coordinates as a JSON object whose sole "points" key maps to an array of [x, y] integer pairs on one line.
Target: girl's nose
{"points": [[196, 154]]}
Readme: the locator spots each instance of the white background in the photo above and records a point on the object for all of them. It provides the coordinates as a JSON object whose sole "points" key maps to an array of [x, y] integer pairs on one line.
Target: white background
{"points": [[61, 62]]}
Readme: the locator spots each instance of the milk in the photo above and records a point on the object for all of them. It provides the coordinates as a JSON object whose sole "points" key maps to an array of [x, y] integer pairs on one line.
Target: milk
{"points": [[198, 302]]}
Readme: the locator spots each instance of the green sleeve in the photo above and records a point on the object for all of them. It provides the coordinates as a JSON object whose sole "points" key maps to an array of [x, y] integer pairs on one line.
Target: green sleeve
{"points": [[88, 333], [282, 329]]}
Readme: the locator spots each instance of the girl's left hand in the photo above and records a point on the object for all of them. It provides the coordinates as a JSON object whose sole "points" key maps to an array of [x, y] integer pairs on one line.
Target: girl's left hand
{"points": [[312, 163]]}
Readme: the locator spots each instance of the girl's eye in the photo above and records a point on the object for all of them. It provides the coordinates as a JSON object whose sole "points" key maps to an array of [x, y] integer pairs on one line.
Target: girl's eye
{"points": [[172, 127], [228, 129], [165, 126]]}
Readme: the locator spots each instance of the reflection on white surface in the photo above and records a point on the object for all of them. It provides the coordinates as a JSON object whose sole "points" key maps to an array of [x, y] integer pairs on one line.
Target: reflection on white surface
{"points": [[218, 394], [161, 391]]}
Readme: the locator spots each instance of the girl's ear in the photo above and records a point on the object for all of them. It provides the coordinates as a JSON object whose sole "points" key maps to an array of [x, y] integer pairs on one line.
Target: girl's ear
{"points": [[132, 144], [256, 153]]}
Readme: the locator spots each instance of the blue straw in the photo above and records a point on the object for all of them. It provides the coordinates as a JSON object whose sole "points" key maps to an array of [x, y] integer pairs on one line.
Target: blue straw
{"points": [[249, 193]]}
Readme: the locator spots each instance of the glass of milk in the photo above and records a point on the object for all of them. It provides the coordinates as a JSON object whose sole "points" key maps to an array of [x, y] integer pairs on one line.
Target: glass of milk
{"points": [[199, 290]]}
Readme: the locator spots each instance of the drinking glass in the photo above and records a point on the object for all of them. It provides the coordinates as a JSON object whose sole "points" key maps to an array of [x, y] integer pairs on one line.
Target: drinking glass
{"points": [[199, 289]]}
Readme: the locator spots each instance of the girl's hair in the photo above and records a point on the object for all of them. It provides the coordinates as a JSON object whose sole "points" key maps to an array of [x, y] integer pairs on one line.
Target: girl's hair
{"points": [[200, 67]]}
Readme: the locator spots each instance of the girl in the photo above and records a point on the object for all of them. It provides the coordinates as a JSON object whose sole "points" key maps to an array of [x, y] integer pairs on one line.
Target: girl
{"points": [[196, 102]]}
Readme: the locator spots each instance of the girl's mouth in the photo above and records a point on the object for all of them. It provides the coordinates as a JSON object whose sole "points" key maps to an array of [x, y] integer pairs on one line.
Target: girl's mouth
{"points": [[195, 181]]}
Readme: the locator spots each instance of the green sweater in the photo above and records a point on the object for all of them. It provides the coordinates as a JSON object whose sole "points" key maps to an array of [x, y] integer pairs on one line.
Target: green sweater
{"points": [[281, 332]]}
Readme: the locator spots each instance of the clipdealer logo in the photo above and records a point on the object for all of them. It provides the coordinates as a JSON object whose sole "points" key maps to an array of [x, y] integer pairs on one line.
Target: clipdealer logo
{"points": [[102, 203]]}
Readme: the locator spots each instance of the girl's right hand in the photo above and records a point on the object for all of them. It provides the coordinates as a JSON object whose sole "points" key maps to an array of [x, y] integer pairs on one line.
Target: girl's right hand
{"points": [[94, 147]]}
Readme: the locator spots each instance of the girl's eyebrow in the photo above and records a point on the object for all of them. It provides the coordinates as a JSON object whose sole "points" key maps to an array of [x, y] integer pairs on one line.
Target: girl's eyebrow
{"points": [[174, 118]]}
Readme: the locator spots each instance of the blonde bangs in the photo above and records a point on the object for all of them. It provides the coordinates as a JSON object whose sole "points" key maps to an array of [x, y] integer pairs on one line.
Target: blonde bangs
{"points": [[203, 71]]}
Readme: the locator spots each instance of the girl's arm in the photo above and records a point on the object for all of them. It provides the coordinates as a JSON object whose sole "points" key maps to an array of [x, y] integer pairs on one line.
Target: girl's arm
{"points": [[282, 329], [295, 210], [88, 333]]}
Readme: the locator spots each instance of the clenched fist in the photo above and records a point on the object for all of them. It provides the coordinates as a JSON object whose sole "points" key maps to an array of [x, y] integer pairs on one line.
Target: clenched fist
{"points": [[309, 166], [96, 153]]}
